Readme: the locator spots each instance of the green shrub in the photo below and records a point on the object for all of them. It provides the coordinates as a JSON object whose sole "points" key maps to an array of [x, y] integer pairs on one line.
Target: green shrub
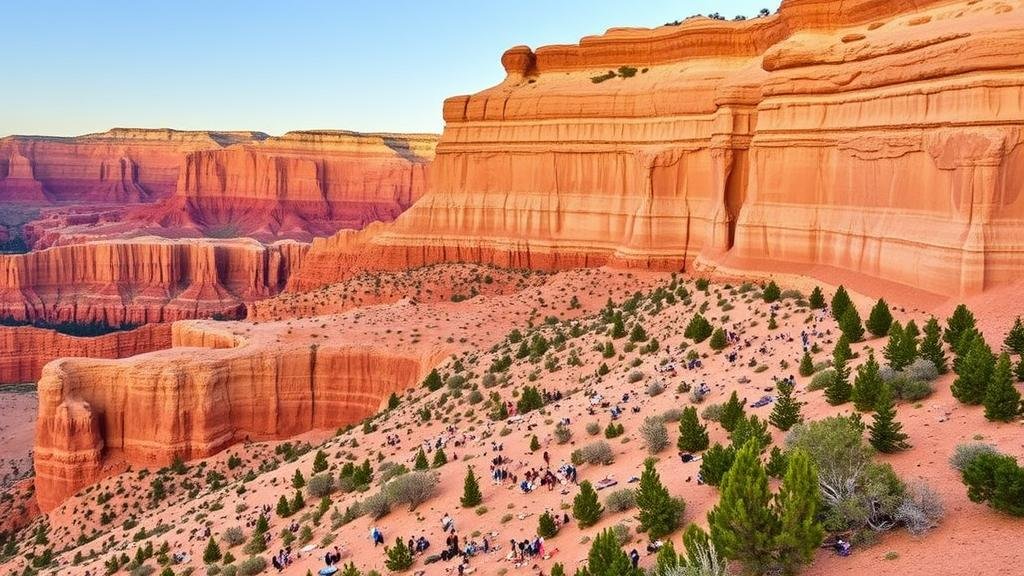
{"points": [[593, 428], [251, 566], [822, 380], [964, 454], [413, 489], [320, 485], [654, 434], [595, 453], [621, 500]]}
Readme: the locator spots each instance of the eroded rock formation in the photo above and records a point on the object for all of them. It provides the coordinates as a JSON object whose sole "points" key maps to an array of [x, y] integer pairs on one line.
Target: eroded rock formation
{"points": [[24, 350], [878, 136], [142, 280]]}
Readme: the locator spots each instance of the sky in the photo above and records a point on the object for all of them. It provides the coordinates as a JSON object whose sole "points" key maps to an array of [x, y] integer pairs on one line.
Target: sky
{"points": [[78, 67]]}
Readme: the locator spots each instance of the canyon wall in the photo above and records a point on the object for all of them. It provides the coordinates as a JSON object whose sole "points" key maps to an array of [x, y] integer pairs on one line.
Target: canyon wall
{"points": [[213, 389], [142, 280], [877, 136], [24, 350]]}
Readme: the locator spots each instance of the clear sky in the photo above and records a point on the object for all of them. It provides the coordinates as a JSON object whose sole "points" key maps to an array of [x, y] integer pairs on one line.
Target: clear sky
{"points": [[75, 67]]}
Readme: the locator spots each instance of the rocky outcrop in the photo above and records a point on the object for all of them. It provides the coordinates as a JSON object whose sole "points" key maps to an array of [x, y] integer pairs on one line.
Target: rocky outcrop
{"points": [[213, 389], [875, 136], [143, 280], [221, 184], [24, 350], [299, 185]]}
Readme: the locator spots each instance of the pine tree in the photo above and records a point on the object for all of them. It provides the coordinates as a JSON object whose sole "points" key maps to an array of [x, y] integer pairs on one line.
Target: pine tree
{"points": [[839, 390], [1018, 369], [879, 319], [840, 302], [667, 559], [931, 346], [715, 463], [586, 508], [471, 495], [776, 466], [885, 433], [797, 503], [262, 524], [534, 443], [867, 385], [320, 461], [297, 480], [659, 511], [817, 299], [961, 321], [974, 372], [618, 327], [393, 401], [893, 350], [1014, 341], [786, 412], [752, 428], [693, 436], [546, 525], [850, 324], [440, 458], [606, 557], [421, 459], [744, 525], [718, 340], [1002, 400], [609, 350], [350, 570], [557, 569], [212, 552], [399, 557], [298, 502], [909, 342], [806, 365], [771, 292], [698, 329], [637, 334], [732, 412], [433, 381], [284, 509]]}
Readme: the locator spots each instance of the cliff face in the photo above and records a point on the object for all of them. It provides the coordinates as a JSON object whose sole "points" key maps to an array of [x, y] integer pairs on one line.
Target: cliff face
{"points": [[192, 401], [212, 183], [24, 350], [877, 136], [143, 280]]}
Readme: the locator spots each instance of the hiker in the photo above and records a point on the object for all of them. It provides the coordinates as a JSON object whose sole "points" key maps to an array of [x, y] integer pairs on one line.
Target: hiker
{"points": [[634, 557]]}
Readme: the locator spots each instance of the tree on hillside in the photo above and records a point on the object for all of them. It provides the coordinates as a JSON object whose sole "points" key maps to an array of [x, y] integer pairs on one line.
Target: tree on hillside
{"points": [[885, 433], [838, 390], [931, 346], [433, 381], [806, 367], [974, 372], [879, 319], [586, 508], [894, 349], [1014, 341], [716, 461], [962, 320], [744, 524], [786, 412], [659, 511], [618, 327], [698, 329], [840, 302], [298, 481], [1002, 400], [797, 504], [732, 412], [752, 428], [867, 385], [421, 460], [817, 299], [850, 324], [718, 340], [319, 462], [212, 552], [606, 558], [471, 495], [771, 292], [693, 436], [399, 557]]}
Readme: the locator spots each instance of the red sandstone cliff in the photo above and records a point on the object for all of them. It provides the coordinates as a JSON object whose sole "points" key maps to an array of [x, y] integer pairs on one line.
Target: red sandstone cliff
{"points": [[24, 350], [143, 280], [872, 135]]}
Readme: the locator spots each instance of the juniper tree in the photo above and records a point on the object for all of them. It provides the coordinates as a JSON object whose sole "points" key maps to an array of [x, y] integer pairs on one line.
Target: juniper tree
{"points": [[471, 495], [715, 463], [1014, 341], [752, 428], [909, 342], [838, 390], [776, 466], [618, 327], [894, 349], [586, 508], [744, 524], [974, 372], [867, 385], [698, 329], [399, 556], [797, 504], [284, 509], [885, 433], [817, 299], [433, 381], [786, 412], [659, 512], [1002, 400], [931, 346], [850, 324], [718, 340], [546, 527], [297, 480], [421, 460], [962, 320], [771, 292], [840, 302], [693, 436], [806, 365], [606, 558], [732, 411], [637, 334], [879, 319], [440, 458], [298, 502], [212, 552]]}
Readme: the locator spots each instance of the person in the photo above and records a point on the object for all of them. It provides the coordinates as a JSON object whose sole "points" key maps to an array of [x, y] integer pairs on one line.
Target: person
{"points": [[842, 547], [447, 524], [634, 557], [376, 536]]}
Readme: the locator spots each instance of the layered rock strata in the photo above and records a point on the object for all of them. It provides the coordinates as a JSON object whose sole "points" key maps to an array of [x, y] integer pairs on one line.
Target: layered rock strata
{"points": [[875, 136]]}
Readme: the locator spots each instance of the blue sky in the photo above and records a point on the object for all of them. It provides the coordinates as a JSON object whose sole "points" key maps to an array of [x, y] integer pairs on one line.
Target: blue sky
{"points": [[76, 67]]}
